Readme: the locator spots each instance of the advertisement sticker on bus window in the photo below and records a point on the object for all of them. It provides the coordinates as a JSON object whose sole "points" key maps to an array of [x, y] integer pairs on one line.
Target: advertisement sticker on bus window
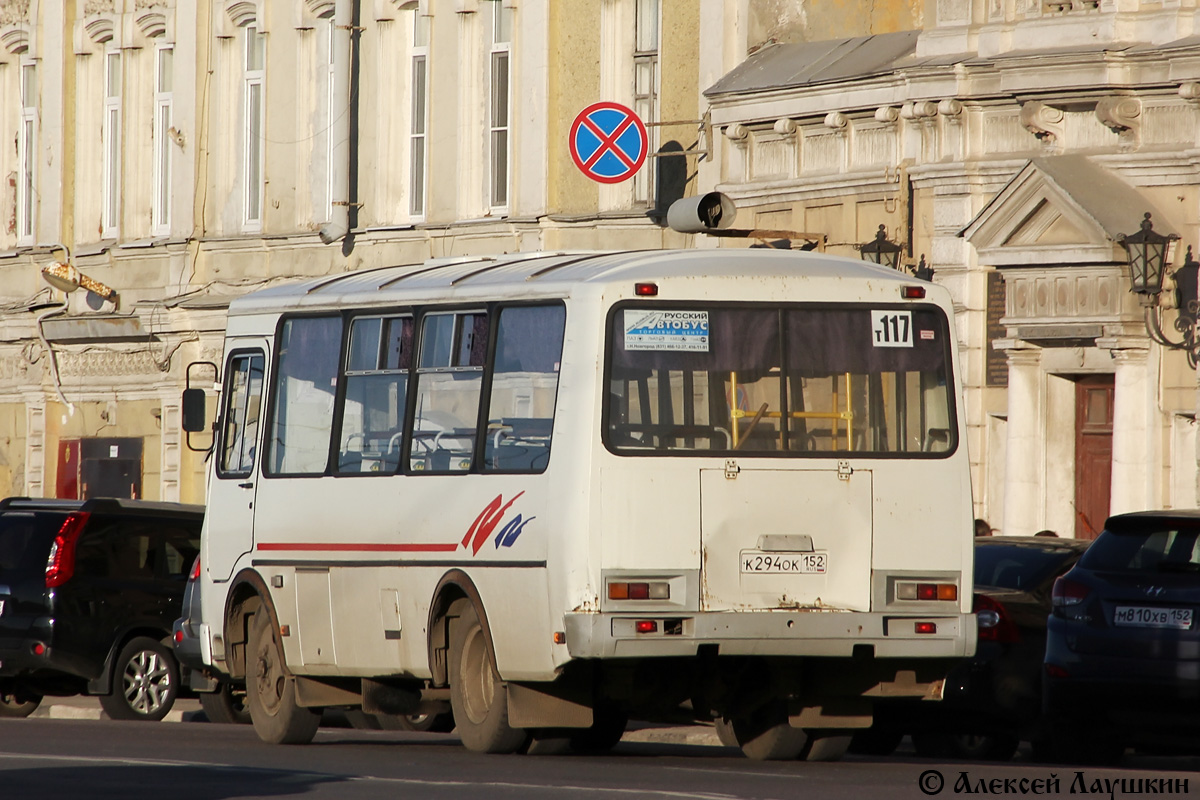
{"points": [[891, 328], [666, 330]]}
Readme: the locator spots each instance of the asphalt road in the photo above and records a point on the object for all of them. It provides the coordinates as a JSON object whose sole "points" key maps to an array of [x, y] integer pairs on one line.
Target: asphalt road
{"points": [[46, 759]]}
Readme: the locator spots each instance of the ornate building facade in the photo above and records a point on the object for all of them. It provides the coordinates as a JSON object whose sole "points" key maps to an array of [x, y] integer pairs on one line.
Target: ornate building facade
{"points": [[182, 153], [1010, 144]]}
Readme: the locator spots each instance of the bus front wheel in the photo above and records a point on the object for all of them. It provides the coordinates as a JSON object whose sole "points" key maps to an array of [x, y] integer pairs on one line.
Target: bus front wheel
{"points": [[477, 695], [271, 691]]}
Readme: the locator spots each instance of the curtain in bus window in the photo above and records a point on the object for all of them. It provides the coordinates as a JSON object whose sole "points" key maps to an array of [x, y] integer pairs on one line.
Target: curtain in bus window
{"points": [[801, 380], [524, 388], [745, 340], [691, 392], [871, 380], [304, 393], [824, 341]]}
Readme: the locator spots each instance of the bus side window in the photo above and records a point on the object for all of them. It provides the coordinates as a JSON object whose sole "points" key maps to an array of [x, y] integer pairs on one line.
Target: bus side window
{"points": [[243, 397], [302, 415], [377, 363], [448, 382], [524, 388]]}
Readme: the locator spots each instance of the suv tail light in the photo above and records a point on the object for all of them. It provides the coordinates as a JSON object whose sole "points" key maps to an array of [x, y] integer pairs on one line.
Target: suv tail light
{"points": [[195, 573], [60, 566], [1067, 593], [994, 623]]}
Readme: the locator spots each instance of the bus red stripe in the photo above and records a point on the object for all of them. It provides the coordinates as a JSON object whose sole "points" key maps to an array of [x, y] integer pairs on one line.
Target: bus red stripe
{"points": [[365, 547]]}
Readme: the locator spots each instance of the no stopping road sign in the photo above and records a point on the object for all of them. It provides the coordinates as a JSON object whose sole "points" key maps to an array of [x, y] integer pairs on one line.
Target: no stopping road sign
{"points": [[608, 142]]}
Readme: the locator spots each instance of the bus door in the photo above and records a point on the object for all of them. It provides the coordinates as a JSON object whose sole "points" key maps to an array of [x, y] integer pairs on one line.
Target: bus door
{"points": [[235, 475], [785, 538]]}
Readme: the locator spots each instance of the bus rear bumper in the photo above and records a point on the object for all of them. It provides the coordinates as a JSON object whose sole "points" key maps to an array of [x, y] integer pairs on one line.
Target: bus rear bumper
{"points": [[770, 633]]}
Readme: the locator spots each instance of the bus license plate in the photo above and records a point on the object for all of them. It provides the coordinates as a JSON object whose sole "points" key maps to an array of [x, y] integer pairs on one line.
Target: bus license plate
{"points": [[1146, 617], [783, 563]]}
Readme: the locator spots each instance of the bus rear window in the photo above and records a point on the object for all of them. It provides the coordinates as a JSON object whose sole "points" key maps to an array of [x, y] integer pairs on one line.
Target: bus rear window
{"points": [[792, 380]]}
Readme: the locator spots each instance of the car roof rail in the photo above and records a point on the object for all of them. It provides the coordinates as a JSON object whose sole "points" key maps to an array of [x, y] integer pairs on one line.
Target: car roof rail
{"points": [[126, 505], [39, 502], [109, 504]]}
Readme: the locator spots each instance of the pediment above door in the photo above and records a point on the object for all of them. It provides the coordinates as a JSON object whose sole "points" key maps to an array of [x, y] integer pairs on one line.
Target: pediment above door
{"points": [[1060, 211]]}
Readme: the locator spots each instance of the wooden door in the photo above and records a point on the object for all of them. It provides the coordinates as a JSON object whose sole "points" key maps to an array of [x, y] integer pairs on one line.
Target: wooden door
{"points": [[1093, 453], [66, 481]]}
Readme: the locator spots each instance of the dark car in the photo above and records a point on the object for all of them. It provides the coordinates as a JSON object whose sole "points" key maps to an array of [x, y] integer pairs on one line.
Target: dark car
{"points": [[1122, 665], [88, 591], [993, 700]]}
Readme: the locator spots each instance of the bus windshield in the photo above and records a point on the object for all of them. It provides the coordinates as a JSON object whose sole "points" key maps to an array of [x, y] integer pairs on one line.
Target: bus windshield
{"points": [[784, 379]]}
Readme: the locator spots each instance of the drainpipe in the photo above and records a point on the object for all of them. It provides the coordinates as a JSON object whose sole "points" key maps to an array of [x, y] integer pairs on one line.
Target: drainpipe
{"points": [[339, 125]]}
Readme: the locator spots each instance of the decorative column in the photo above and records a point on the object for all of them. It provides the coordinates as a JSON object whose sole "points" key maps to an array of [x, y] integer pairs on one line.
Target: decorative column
{"points": [[35, 451], [171, 422], [1135, 432], [1024, 467]]}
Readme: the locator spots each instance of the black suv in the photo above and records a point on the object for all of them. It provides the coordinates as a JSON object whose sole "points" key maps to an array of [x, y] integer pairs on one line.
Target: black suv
{"points": [[88, 592]]}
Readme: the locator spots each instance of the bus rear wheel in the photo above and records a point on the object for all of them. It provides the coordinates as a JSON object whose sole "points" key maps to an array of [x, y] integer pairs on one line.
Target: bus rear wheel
{"points": [[271, 692], [478, 697], [826, 745], [765, 734]]}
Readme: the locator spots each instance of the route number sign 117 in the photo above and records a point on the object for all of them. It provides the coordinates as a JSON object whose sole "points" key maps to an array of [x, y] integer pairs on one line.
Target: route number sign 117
{"points": [[891, 328]]}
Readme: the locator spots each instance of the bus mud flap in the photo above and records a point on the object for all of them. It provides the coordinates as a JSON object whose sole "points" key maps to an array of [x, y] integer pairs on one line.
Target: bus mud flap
{"points": [[851, 712], [539, 706]]}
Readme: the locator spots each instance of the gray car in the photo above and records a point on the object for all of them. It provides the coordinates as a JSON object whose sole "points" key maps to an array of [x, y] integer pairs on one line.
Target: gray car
{"points": [[221, 700]]}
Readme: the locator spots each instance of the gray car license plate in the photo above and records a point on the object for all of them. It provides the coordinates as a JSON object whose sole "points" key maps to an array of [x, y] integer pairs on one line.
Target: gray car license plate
{"points": [[1150, 617]]}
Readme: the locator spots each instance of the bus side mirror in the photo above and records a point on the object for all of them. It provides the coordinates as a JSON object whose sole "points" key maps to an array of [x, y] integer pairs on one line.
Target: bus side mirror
{"points": [[194, 403], [701, 214], [194, 411]]}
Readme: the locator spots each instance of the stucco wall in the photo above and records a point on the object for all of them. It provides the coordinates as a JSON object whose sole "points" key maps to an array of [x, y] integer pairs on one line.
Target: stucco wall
{"points": [[818, 20]]}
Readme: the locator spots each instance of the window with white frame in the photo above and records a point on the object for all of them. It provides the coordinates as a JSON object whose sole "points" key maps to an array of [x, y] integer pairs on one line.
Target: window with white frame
{"points": [[252, 113], [417, 158], [27, 154], [499, 90], [111, 211], [645, 85], [163, 107]]}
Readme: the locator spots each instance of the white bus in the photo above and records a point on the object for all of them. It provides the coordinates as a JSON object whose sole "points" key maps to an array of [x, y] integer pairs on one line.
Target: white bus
{"points": [[554, 491]]}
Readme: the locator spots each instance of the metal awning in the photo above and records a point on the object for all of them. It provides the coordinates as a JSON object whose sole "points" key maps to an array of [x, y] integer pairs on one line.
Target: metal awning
{"points": [[784, 65]]}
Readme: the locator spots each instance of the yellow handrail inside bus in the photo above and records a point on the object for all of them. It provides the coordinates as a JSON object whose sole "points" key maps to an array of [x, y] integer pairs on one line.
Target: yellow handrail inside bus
{"points": [[736, 413]]}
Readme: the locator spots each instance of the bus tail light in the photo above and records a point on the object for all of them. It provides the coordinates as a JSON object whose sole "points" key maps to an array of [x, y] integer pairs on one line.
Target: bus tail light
{"points": [[645, 289], [646, 626], [195, 573], [926, 627], [644, 590], [913, 292], [912, 590]]}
